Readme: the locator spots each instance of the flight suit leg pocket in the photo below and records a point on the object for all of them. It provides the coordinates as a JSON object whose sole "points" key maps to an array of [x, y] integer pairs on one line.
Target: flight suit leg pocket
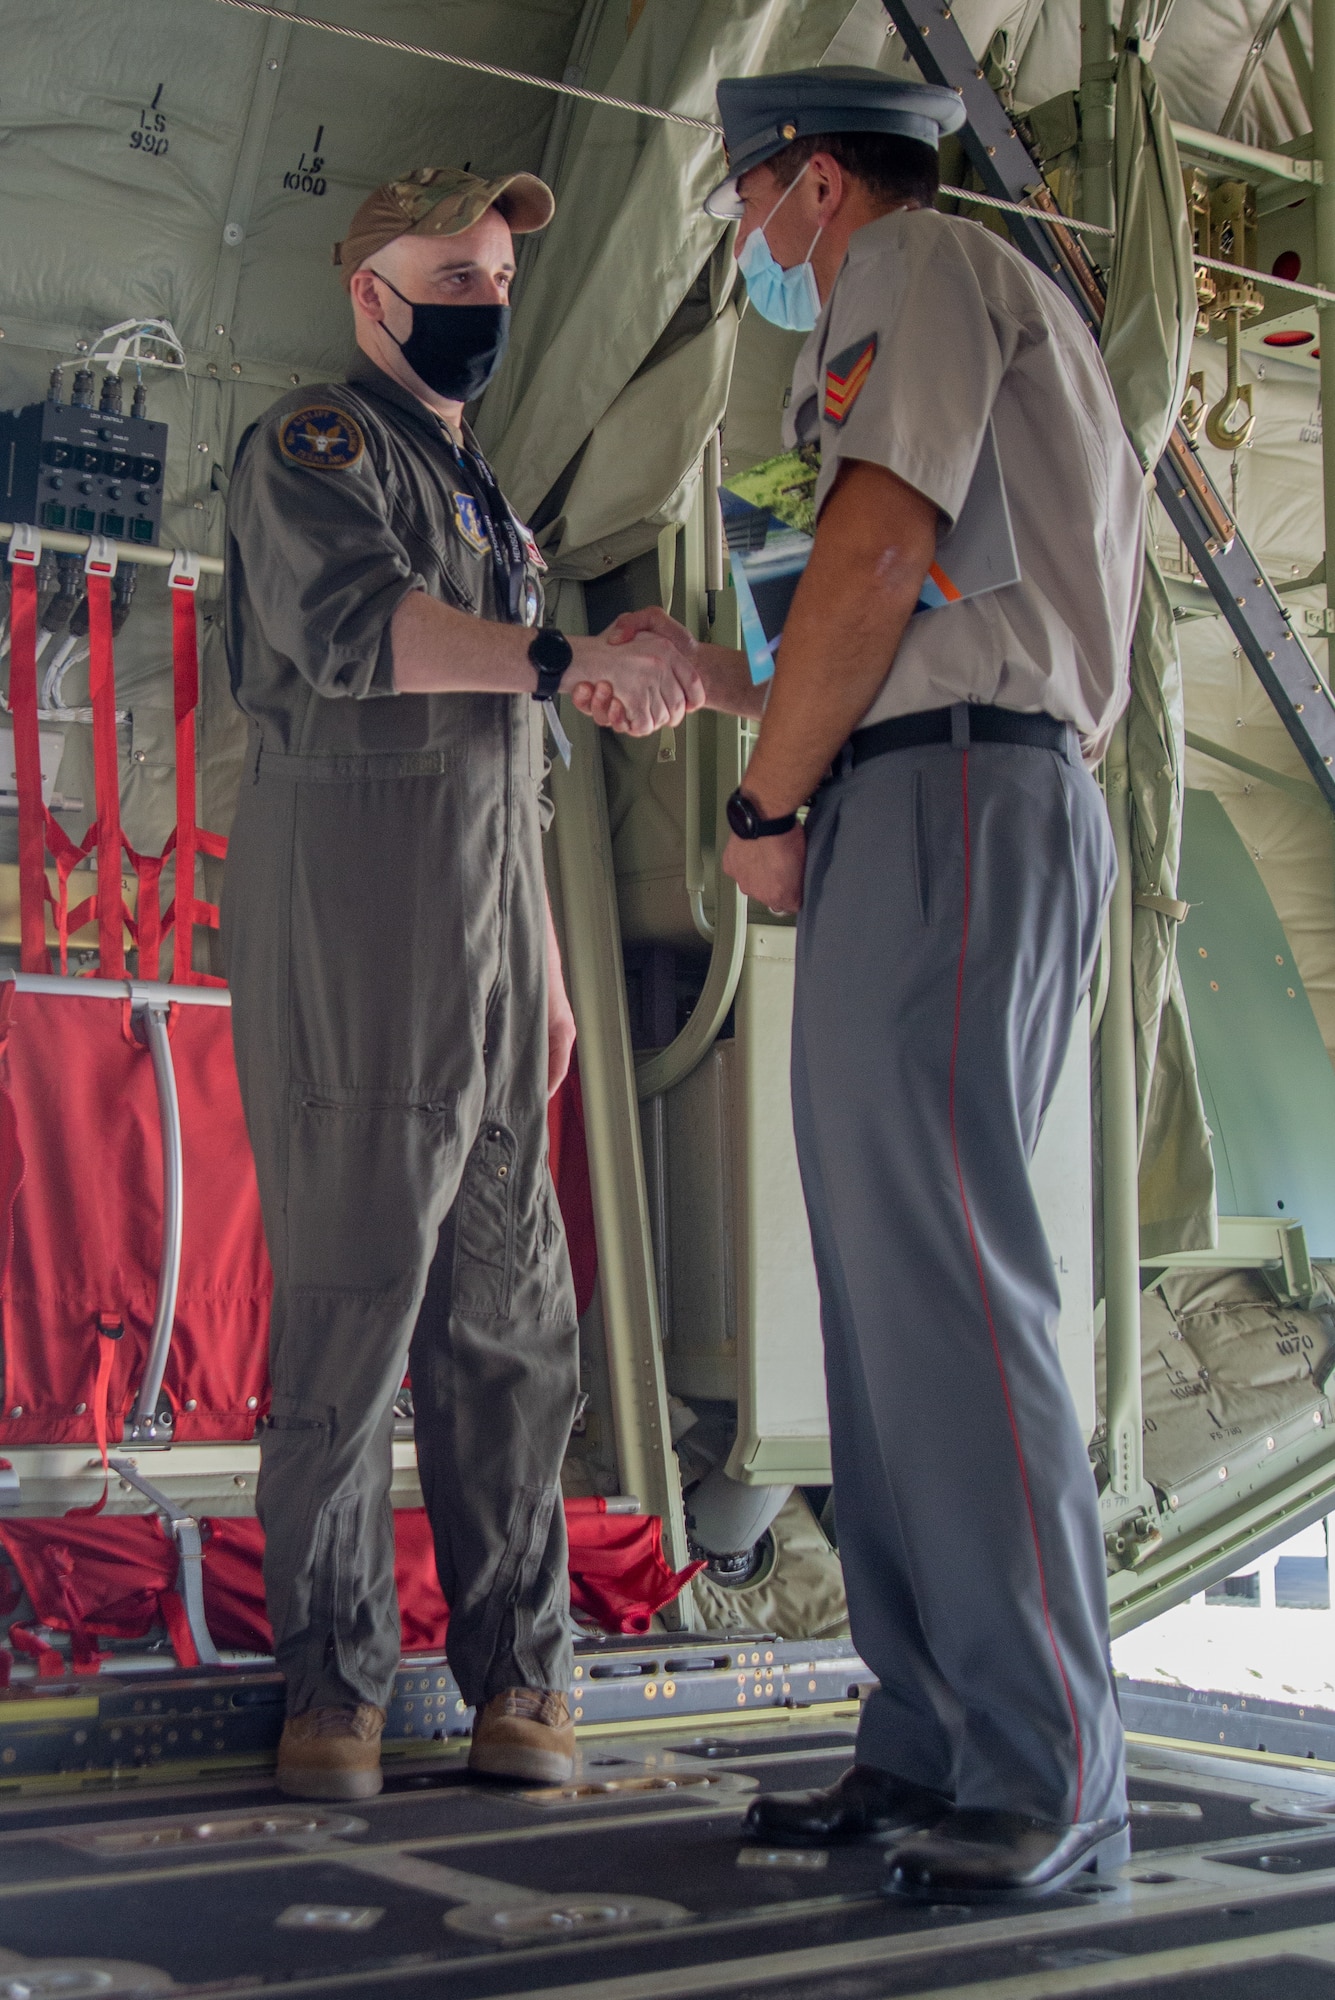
{"points": [[484, 1243], [295, 1413], [369, 1179]]}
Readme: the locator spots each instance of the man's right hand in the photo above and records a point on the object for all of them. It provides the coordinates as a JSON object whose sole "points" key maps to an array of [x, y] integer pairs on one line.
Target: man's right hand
{"points": [[638, 686]]}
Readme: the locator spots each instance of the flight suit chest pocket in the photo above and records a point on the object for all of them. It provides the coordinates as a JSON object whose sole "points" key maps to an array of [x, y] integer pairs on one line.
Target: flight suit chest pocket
{"points": [[484, 1244]]}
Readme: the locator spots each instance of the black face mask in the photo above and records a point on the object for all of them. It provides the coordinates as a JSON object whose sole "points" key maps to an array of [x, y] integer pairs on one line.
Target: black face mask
{"points": [[455, 350]]}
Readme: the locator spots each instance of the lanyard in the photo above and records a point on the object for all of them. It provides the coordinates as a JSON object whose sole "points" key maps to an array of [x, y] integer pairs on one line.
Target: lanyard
{"points": [[507, 547]]}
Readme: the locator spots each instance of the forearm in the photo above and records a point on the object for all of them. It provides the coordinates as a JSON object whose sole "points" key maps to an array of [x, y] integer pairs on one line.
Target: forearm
{"points": [[438, 650], [873, 547], [728, 684]]}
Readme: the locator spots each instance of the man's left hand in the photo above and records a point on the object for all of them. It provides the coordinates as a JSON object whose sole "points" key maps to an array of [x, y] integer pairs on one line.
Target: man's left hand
{"points": [[560, 1017], [770, 870], [560, 1038]]}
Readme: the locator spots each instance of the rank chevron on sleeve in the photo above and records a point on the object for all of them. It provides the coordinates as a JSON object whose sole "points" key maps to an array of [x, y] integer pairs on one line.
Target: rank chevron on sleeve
{"points": [[844, 377]]}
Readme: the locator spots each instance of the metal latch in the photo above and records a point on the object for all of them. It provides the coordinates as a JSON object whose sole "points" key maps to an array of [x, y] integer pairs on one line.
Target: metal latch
{"points": [[184, 1531]]}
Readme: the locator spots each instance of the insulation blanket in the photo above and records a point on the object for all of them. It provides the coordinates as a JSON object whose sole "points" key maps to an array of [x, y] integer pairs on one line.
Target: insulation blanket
{"points": [[81, 1189], [115, 1577], [1223, 1365]]}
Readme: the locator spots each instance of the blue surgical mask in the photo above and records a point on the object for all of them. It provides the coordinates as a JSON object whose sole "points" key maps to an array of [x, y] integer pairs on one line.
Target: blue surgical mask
{"points": [[789, 299]]}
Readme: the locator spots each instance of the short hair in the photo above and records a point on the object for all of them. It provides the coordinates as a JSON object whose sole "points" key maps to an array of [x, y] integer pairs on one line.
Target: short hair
{"points": [[889, 166]]}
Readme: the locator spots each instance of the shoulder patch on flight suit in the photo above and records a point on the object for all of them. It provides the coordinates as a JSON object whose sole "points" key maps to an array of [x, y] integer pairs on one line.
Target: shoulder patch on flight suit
{"points": [[844, 377], [322, 438], [468, 520]]}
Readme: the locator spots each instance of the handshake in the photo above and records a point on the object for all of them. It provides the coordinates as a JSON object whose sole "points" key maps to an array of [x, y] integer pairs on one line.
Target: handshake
{"points": [[644, 673]]}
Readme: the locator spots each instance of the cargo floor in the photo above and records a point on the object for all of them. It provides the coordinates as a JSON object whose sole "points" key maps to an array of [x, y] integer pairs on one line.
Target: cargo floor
{"points": [[633, 1881]]}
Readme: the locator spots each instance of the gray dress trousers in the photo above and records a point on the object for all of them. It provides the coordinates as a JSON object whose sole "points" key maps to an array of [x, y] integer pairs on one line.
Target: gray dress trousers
{"points": [[953, 906]]}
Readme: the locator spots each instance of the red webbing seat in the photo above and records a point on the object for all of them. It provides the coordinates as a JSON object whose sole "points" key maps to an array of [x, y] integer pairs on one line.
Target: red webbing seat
{"points": [[115, 1577], [81, 1222]]}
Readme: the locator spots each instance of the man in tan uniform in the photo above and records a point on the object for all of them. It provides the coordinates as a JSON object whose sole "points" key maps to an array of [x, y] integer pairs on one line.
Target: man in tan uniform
{"points": [[951, 877], [398, 1010]]}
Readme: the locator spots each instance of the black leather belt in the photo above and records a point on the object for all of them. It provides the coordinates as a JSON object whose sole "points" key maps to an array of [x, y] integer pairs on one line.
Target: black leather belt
{"points": [[982, 724]]}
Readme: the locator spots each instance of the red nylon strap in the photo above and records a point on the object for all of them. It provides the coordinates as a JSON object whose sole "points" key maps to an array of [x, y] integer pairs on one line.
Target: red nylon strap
{"points": [[148, 926], [59, 1567], [185, 679], [109, 1333], [33, 954], [174, 1618], [50, 1663], [106, 781]]}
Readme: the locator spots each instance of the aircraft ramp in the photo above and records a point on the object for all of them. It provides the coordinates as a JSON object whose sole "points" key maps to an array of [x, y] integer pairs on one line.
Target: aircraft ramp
{"points": [[152, 1875]]}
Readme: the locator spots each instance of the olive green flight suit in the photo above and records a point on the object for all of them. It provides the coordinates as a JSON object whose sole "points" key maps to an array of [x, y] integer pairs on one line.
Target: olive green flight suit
{"points": [[384, 926]]}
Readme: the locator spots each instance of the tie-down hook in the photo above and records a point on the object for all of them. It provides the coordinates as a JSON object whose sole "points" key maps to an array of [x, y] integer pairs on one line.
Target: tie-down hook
{"points": [[1221, 424]]}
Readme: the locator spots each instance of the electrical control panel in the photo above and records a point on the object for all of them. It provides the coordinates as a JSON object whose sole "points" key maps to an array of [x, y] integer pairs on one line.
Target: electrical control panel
{"points": [[86, 471]]}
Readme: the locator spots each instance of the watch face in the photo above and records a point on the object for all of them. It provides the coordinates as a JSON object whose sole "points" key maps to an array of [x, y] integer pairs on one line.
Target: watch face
{"points": [[742, 816], [551, 650]]}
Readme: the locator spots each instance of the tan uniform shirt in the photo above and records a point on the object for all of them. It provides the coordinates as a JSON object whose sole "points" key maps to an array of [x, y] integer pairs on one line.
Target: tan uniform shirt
{"points": [[933, 326]]}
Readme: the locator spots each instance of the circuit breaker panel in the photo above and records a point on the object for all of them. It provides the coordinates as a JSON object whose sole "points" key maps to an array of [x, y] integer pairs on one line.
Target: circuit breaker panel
{"points": [[67, 466]]}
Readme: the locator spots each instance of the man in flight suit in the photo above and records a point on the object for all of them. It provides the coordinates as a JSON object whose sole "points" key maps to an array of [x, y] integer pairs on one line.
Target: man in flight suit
{"points": [[952, 877], [397, 1003]]}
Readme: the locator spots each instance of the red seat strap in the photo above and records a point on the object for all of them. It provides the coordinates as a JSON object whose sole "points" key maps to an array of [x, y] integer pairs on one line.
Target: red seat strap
{"points": [[50, 1663], [106, 779], [33, 954], [185, 682], [110, 1331], [178, 1628]]}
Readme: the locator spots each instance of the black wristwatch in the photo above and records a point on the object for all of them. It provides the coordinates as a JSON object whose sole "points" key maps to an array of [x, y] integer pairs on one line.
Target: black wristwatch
{"points": [[551, 653], [746, 823]]}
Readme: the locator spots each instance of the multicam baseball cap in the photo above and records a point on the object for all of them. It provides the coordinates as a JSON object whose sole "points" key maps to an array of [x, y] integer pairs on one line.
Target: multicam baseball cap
{"points": [[441, 201]]}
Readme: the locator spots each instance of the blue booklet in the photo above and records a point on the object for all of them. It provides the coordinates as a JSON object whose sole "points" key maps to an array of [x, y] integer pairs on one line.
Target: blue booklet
{"points": [[769, 516]]}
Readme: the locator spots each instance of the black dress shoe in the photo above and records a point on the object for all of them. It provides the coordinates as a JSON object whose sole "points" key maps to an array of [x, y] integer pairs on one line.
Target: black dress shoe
{"points": [[866, 1804], [982, 1857]]}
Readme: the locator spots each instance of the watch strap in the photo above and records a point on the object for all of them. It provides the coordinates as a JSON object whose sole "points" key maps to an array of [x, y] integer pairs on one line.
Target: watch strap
{"points": [[744, 818], [551, 653]]}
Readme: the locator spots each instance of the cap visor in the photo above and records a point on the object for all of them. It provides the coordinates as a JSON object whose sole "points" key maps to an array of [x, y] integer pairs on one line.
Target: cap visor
{"points": [[725, 202], [527, 203]]}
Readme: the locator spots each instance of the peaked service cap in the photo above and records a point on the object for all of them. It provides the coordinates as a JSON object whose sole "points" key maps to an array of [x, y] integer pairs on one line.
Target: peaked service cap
{"points": [[763, 114], [441, 201]]}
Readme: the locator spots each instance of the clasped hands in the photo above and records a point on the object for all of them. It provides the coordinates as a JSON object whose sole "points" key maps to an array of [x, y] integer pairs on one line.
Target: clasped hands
{"points": [[633, 678], [650, 665]]}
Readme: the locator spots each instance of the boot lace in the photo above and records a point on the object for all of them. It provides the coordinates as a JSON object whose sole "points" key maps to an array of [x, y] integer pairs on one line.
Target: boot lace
{"points": [[535, 1705]]}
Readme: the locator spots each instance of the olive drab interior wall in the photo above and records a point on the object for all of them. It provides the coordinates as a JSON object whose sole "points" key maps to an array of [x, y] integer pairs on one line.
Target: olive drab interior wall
{"points": [[175, 159]]}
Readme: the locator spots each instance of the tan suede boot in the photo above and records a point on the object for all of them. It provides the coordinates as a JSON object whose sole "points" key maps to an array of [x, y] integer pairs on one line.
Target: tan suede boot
{"points": [[332, 1753], [525, 1734]]}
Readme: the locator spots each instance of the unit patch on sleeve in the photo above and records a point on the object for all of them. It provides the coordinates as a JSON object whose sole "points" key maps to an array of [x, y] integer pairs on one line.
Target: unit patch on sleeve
{"points": [[322, 438], [844, 377], [468, 520]]}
